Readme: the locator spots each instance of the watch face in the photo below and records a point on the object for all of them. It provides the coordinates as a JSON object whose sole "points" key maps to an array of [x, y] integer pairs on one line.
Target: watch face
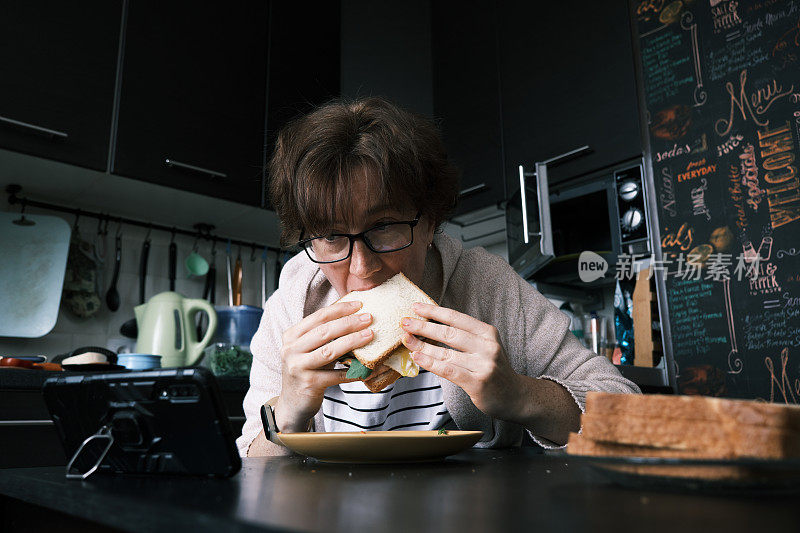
{"points": [[268, 421]]}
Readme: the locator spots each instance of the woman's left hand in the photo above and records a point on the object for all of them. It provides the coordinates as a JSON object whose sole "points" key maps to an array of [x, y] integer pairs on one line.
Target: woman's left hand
{"points": [[474, 359]]}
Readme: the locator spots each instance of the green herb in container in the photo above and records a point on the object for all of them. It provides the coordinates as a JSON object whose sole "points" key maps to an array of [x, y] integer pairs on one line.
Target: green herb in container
{"points": [[229, 360]]}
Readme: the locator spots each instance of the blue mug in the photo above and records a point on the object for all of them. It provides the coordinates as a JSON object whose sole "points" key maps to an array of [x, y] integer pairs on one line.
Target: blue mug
{"points": [[139, 361]]}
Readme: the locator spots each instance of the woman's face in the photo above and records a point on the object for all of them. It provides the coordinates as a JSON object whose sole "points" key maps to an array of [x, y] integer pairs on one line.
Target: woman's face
{"points": [[365, 269]]}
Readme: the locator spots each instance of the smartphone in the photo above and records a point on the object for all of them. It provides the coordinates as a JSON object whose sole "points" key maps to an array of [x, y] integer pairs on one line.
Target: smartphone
{"points": [[168, 421]]}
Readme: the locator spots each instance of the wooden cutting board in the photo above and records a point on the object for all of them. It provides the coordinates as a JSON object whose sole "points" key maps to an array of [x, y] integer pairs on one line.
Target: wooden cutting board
{"points": [[33, 259]]}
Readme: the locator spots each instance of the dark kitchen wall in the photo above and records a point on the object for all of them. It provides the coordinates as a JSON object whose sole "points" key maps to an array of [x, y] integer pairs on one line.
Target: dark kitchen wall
{"points": [[386, 51]]}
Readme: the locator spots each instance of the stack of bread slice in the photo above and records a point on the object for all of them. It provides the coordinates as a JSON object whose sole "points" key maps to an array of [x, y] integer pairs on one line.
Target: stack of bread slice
{"points": [[686, 427]]}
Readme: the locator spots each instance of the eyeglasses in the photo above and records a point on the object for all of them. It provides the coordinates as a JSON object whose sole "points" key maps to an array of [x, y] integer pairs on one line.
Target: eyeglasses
{"points": [[381, 239]]}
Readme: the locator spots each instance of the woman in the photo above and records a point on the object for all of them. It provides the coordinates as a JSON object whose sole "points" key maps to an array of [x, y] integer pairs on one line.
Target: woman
{"points": [[497, 356]]}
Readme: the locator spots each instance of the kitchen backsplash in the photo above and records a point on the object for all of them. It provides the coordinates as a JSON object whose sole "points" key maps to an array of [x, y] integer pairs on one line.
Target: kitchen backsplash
{"points": [[103, 328]]}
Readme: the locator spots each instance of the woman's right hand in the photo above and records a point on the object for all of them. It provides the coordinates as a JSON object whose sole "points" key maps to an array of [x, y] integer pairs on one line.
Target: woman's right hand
{"points": [[309, 352]]}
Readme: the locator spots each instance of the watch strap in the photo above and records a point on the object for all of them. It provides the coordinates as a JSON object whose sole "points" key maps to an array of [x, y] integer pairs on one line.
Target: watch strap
{"points": [[271, 429], [270, 424]]}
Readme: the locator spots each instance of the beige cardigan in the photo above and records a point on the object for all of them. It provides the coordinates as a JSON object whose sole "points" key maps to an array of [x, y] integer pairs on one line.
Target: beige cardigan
{"points": [[534, 333]]}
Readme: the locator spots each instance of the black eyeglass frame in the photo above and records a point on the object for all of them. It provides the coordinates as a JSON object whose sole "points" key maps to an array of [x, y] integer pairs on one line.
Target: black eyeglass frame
{"points": [[352, 237]]}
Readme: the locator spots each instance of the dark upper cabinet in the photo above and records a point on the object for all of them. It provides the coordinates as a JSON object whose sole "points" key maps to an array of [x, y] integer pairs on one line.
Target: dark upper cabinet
{"points": [[567, 76], [192, 104], [58, 63], [516, 82], [467, 97], [304, 61]]}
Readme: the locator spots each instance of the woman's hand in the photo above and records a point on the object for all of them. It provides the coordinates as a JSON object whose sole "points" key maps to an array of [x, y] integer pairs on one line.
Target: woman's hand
{"points": [[309, 352], [474, 360]]}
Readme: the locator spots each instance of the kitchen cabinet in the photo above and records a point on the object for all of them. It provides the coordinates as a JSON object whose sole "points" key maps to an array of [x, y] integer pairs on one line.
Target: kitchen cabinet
{"points": [[567, 77], [517, 82], [58, 63], [467, 97], [193, 95], [304, 62]]}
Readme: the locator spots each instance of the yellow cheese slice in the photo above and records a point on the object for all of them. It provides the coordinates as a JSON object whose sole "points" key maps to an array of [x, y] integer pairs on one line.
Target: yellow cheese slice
{"points": [[400, 360]]}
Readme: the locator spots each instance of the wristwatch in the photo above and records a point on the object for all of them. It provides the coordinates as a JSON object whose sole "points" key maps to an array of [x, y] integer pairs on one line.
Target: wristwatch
{"points": [[268, 421], [271, 426]]}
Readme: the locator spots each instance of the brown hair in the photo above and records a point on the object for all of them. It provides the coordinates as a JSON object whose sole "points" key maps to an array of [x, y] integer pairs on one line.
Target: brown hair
{"points": [[318, 157]]}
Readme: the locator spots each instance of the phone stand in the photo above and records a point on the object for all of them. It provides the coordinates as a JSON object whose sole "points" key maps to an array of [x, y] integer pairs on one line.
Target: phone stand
{"points": [[102, 433]]}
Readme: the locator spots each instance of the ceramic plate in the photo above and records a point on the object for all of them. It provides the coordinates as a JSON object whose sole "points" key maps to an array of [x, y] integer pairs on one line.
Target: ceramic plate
{"points": [[380, 446]]}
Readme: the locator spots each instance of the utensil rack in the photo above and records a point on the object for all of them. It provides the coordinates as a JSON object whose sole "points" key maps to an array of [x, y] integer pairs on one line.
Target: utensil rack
{"points": [[201, 230]]}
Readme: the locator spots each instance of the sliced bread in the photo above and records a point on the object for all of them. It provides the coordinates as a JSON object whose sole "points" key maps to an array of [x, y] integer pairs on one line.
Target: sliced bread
{"points": [[381, 381], [388, 303], [580, 444], [719, 439], [686, 427], [380, 378], [695, 408]]}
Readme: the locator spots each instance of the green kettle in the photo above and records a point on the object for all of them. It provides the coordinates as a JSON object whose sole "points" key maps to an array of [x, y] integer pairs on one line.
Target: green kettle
{"points": [[167, 328]]}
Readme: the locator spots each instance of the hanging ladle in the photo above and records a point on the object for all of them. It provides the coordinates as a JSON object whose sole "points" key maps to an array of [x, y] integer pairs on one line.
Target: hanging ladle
{"points": [[130, 329], [112, 296]]}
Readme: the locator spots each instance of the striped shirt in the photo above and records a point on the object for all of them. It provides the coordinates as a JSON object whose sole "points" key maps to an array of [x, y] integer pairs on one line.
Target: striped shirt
{"points": [[407, 404]]}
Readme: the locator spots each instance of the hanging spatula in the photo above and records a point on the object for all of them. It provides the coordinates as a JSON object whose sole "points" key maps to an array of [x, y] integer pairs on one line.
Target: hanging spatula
{"points": [[237, 280], [130, 329]]}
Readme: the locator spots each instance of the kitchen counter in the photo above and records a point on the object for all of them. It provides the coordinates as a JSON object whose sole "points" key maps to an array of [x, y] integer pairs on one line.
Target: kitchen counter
{"points": [[478, 490], [12, 378]]}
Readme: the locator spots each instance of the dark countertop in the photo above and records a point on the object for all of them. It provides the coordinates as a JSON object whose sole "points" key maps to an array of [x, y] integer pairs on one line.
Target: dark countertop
{"points": [[20, 379], [478, 490]]}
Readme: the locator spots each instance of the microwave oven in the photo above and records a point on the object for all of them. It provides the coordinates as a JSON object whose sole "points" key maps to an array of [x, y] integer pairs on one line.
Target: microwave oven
{"points": [[548, 227]]}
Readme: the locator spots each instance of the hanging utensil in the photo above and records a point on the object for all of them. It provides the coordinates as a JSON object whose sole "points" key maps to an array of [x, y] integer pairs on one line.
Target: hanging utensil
{"points": [[112, 296], [237, 280], [81, 295], [209, 290], [129, 328], [263, 276], [173, 261], [143, 258], [30, 299], [277, 270], [212, 293], [228, 268], [196, 265], [99, 249]]}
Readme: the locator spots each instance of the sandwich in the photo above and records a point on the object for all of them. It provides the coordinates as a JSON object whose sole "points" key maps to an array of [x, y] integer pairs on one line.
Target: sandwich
{"points": [[385, 359], [686, 427]]}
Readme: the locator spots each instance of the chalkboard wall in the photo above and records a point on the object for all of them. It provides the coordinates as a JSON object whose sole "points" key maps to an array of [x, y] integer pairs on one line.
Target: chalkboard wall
{"points": [[721, 83]]}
